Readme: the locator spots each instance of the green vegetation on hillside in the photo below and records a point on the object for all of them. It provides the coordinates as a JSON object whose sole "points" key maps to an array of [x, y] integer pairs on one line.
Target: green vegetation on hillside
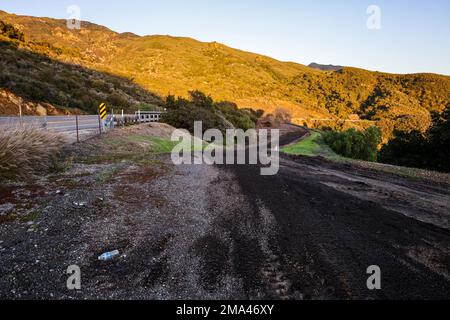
{"points": [[43, 60], [9, 31], [362, 145], [182, 113], [175, 66], [39, 78], [429, 150], [351, 144]]}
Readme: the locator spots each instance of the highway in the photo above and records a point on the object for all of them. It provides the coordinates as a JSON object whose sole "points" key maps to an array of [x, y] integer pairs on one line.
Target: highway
{"points": [[55, 123], [68, 123]]}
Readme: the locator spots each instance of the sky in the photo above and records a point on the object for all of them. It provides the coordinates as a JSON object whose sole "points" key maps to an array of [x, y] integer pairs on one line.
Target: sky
{"points": [[405, 36]]}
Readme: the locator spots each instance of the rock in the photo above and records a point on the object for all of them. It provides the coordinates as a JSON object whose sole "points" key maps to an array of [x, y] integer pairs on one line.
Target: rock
{"points": [[79, 205], [6, 207], [40, 110]]}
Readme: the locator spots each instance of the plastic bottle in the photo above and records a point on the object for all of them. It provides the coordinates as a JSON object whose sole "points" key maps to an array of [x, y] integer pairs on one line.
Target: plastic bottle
{"points": [[109, 255]]}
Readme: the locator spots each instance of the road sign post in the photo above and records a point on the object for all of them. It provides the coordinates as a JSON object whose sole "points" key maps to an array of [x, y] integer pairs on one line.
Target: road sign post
{"points": [[112, 119], [101, 115]]}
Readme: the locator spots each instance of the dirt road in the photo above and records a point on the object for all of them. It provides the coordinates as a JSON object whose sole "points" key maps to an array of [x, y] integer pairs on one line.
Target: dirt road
{"points": [[223, 232], [333, 222]]}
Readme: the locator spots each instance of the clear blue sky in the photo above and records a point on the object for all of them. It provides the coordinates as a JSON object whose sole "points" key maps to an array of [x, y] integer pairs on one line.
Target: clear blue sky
{"points": [[414, 35]]}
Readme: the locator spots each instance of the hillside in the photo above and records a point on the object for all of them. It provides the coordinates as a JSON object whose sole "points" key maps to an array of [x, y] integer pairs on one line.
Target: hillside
{"points": [[32, 79], [170, 65]]}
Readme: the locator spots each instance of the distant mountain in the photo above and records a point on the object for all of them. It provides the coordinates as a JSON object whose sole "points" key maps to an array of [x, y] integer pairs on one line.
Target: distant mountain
{"points": [[130, 68], [324, 67]]}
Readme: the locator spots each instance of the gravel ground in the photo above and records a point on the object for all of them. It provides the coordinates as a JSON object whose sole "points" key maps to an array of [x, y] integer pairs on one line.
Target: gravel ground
{"points": [[220, 232], [180, 230]]}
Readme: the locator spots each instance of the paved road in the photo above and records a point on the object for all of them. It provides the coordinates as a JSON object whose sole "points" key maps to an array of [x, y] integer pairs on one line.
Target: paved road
{"points": [[333, 221], [56, 123]]}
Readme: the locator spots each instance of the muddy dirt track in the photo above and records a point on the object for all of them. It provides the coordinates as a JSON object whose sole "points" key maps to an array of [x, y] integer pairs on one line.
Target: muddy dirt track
{"points": [[226, 232], [333, 222]]}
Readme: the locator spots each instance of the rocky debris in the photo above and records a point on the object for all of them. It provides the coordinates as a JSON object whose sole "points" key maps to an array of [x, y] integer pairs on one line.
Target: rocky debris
{"points": [[79, 204]]}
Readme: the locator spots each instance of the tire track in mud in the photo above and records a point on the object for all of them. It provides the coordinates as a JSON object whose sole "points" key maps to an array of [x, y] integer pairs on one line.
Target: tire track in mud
{"points": [[325, 239], [241, 242], [328, 238], [277, 285]]}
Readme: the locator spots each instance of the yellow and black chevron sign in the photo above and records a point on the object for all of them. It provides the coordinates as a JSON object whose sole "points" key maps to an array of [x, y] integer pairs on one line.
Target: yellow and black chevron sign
{"points": [[102, 111]]}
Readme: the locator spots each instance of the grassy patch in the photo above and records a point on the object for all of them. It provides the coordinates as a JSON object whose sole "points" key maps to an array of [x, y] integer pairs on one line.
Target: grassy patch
{"points": [[137, 149], [157, 145], [26, 150], [312, 146]]}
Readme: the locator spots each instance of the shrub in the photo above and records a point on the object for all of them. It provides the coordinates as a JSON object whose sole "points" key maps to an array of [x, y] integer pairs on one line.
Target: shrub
{"points": [[8, 30], [283, 116], [25, 149], [355, 144], [182, 113], [429, 150], [242, 119], [147, 107], [118, 100]]}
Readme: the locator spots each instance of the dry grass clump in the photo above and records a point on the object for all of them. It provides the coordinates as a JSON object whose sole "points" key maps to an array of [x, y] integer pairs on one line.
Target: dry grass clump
{"points": [[25, 149]]}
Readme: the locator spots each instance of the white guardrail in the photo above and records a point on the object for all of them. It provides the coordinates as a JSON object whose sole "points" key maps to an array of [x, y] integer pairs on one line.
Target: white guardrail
{"points": [[56, 123], [80, 124], [72, 123]]}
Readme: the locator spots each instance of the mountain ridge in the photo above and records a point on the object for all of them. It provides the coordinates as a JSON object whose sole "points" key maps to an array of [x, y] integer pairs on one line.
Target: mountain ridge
{"points": [[325, 67]]}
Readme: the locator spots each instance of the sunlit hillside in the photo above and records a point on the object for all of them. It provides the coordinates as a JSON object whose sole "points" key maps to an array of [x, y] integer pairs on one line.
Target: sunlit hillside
{"points": [[169, 65]]}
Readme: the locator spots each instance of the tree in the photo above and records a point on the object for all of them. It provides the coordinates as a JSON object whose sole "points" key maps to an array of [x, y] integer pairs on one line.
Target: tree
{"points": [[429, 150], [283, 116], [200, 99], [183, 113], [170, 102], [355, 144], [372, 139]]}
